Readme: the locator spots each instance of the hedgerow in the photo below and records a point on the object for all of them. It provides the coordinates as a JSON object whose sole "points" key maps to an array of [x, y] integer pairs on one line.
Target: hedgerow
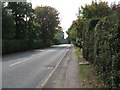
{"points": [[13, 46], [99, 33], [88, 39], [107, 50], [101, 46]]}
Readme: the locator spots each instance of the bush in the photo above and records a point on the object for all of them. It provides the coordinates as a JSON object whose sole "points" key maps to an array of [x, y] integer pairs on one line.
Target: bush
{"points": [[107, 50], [88, 40], [12, 46], [39, 44], [101, 46]]}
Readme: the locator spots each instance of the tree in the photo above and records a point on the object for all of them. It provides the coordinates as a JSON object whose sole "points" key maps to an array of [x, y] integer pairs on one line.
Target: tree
{"points": [[75, 32], [47, 17], [59, 37], [95, 10], [115, 7], [37, 31], [8, 27], [100, 29], [23, 16]]}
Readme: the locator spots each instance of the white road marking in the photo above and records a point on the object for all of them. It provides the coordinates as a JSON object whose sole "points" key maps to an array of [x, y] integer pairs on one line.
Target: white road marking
{"points": [[19, 62]]}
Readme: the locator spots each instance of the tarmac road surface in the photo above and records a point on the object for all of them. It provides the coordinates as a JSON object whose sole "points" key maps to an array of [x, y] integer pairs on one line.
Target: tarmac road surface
{"points": [[30, 69]]}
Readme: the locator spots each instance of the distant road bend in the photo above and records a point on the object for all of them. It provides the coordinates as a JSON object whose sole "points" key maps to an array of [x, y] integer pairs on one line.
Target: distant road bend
{"points": [[28, 70]]}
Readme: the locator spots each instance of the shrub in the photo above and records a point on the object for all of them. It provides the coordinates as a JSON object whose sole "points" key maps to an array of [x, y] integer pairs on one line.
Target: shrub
{"points": [[12, 46], [107, 50], [88, 40], [102, 48]]}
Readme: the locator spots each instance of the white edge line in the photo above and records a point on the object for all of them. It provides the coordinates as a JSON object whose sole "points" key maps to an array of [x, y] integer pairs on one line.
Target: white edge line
{"points": [[46, 80], [19, 62]]}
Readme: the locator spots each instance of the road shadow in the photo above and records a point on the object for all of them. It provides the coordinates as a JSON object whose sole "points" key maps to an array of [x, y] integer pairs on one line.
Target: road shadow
{"points": [[28, 54], [21, 55]]}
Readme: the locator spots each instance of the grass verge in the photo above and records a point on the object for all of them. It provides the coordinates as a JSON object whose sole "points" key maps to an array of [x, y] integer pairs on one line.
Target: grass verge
{"points": [[54, 45], [88, 76]]}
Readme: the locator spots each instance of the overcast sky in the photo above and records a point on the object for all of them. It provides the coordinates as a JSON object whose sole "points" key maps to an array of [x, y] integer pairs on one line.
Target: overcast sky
{"points": [[67, 8]]}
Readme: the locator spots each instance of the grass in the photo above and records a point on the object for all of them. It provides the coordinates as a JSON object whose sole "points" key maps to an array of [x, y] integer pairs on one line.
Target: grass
{"points": [[87, 73], [77, 48], [79, 53], [54, 45]]}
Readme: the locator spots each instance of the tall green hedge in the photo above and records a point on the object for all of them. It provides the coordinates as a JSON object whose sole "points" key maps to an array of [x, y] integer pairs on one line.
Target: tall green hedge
{"points": [[101, 46], [12, 46], [107, 50], [88, 39]]}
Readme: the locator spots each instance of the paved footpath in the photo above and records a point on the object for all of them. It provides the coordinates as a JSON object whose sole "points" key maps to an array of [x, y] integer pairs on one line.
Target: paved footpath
{"points": [[66, 74]]}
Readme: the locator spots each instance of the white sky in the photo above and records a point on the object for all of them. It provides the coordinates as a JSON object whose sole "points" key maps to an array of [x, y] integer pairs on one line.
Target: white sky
{"points": [[67, 8]]}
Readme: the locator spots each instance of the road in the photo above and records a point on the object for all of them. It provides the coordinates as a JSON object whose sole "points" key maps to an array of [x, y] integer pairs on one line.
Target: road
{"points": [[30, 69], [66, 75]]}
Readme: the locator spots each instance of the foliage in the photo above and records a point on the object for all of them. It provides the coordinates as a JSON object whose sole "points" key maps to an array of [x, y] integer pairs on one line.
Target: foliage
{"points": [[96, 10], [75, 32], [7, 21], [107, 50], [115, 8], [36, 31], [25, 28], [47, 17], [23, 15], [12, 46], [98, 28], [59, 38], [88, 40]]}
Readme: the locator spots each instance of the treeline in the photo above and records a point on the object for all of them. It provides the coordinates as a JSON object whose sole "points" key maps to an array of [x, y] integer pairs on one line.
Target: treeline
{"points": [[24, 28], [97, 32]]}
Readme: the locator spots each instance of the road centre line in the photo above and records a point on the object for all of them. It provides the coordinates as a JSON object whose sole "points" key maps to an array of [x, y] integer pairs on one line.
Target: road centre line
{"points": [[23, 60], [19, 62]]}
